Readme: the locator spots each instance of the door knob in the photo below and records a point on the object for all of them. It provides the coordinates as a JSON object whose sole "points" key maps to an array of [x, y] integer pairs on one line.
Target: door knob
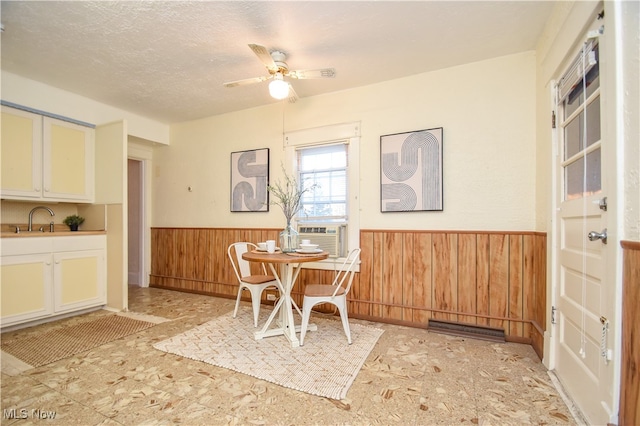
{"points": [[593, 236]]}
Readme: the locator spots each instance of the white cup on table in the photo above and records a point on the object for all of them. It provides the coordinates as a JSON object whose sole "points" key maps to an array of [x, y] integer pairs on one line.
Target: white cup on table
{"points": [[271, 246], [305, 242]]}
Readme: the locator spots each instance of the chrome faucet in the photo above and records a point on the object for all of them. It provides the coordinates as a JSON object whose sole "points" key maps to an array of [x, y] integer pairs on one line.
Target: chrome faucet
{"points": [[33, 210]]}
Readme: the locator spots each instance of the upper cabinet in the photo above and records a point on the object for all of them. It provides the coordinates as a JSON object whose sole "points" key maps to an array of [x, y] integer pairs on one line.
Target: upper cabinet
{"points": [[21, 154], [47, 159], [67, 166]]}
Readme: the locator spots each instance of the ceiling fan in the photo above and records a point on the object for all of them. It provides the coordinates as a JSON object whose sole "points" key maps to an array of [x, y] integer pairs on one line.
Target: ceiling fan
{"points": [[278, 70]]}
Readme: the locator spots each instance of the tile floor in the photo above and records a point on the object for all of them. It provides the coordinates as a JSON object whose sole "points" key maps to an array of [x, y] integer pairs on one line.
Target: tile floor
{"points": [[412, 377]]}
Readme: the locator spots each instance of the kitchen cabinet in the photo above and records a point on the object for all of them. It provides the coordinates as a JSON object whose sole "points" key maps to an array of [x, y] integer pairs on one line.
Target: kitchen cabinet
{"points": [[79, 271], [21, 154], [46, 159], [26, 288], [48, 276]]}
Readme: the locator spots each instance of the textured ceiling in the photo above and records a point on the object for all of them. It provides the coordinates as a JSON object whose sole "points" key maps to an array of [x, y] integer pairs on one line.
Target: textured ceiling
{"points": [[168, 60]]}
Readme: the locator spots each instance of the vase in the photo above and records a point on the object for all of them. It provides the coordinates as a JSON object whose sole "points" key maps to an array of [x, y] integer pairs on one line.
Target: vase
{"points": [[288, 239], [73, 227]]}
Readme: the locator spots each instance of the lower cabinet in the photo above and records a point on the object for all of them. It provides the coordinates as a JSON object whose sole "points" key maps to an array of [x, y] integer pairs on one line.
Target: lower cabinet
{"points": [[27, 288], [78, 280], [47, 276]]}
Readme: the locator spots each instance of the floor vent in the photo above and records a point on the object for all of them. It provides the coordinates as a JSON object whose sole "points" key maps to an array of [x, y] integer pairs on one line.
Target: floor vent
{"points": [[467, 330]]}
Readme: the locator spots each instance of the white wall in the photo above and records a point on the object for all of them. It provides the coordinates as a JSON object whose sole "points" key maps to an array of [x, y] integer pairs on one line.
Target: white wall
{"points": [[487, 110], [629, 93], [33, 94]]}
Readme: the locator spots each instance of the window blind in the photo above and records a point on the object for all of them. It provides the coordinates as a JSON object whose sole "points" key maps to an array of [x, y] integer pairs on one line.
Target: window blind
{"points": [[580, 67]]}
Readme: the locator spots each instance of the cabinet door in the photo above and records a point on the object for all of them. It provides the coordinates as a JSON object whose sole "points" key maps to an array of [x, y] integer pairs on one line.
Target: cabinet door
{"points": [[26, 288], [21, 154], [68, 154], [79, 280]]}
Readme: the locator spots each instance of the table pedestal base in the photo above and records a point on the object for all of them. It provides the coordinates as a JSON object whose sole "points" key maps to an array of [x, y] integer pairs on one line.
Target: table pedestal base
{"points": [[282, 312]]}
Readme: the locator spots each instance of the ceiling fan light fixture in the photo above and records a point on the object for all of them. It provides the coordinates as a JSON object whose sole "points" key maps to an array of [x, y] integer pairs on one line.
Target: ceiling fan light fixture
{"points": [[278, 88]]}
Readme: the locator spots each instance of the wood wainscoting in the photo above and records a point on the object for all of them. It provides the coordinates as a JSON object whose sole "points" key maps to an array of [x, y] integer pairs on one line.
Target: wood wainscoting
{"points": [[630, 362], [495, 279]]}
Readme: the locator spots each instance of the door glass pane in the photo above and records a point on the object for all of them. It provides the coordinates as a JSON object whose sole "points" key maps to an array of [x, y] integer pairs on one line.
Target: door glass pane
{"points": [[593, 122], [574, 131], [572, 138], [582, 132], [579, 184]]}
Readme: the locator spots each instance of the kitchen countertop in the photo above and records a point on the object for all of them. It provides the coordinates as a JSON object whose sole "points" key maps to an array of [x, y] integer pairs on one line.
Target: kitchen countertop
{"points": [[36, 234]]}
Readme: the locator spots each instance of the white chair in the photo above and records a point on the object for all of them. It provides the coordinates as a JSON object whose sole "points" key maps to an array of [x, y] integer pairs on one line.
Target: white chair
{"points": [[334, 293], [256, 284]]}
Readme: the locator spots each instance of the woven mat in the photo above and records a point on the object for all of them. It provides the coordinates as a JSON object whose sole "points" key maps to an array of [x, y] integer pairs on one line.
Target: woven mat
{"points": [[42, 349], [325, 366]]}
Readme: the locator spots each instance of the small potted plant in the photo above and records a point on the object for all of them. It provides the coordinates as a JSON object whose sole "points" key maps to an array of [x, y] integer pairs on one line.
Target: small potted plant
{"points": [[73, 221]]}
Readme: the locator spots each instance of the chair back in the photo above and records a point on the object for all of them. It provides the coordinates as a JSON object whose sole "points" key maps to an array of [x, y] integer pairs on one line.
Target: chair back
{"points": [[346, 272], [241, 267]]}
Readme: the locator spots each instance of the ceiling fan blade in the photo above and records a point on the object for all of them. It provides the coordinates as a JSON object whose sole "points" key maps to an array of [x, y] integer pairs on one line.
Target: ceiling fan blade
{"points": [[293, 96], [265, 57], [246, 81], [320, 73]]}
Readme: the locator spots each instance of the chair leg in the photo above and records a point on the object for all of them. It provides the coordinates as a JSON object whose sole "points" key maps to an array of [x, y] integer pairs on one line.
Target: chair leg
{"points": [[306, 313], [342, 308], [235, 311], [255, 304]]}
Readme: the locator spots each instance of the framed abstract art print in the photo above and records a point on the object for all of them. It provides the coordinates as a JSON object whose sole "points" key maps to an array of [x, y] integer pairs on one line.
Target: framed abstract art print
{"points": [[249, 180], [411, 171]]}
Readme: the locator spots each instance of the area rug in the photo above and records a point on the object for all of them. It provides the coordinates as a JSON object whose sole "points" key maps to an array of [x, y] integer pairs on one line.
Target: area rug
{"points": [[40, 349], [325, 366]]}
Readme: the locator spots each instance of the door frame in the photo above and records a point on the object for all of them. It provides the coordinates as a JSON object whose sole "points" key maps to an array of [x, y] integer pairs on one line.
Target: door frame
{"points": [[140, 151]]}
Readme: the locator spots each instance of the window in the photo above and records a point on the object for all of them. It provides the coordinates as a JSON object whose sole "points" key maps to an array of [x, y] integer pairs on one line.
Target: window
{"points": [[329, 157], [579, 98], [324, 167]]}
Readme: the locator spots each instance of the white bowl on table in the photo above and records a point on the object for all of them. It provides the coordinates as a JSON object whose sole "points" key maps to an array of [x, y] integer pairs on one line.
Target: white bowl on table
{"points": [[309, 247]]}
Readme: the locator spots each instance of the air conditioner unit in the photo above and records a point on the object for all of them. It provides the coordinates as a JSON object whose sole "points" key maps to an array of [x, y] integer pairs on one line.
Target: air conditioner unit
{"points": [[329, 237]]}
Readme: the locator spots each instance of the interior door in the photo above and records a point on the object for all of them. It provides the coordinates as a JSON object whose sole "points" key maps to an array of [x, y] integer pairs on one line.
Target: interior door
{"points": [[583, 321]]}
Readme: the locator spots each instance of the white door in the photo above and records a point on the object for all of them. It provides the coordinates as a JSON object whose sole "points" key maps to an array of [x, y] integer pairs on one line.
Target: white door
{"points": [[583, 333]]}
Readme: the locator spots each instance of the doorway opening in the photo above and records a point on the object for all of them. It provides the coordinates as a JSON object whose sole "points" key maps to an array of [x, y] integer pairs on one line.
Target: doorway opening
{"points": [[135, 232]]}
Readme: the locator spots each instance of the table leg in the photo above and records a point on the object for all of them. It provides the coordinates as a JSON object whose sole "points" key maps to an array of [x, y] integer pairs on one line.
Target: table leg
{"points": [[284, 307]]}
